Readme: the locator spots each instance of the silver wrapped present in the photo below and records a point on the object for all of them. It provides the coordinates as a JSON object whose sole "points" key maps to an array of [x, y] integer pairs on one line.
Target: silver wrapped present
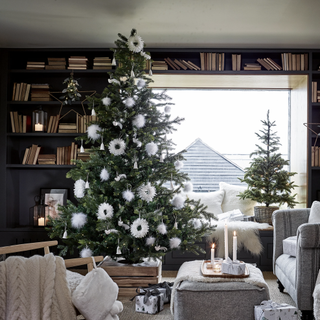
{"points": [[233, 267], [163, 287], [151, 302], [269, 310]]}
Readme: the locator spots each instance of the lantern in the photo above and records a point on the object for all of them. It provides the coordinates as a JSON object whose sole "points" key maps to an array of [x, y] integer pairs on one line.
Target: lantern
{"points": [[38, 216], [39, 120]]}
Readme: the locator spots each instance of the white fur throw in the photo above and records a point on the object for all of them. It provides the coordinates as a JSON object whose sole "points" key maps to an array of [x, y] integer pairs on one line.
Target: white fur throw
{"points": [[316, 298], [191, 271], [35, 288], [247, 236]]}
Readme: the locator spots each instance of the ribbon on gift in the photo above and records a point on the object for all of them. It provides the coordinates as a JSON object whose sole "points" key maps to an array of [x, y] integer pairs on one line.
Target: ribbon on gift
{"points": [[269, 304], [147, 292], [166, 285]]}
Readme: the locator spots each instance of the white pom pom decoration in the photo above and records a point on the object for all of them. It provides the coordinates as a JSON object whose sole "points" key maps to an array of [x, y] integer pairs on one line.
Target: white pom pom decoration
{"points": [[162, 228], [105, 211], [167, 109], [141, 83], [196, 223], [79, 187], [78, 220], [129, 102], [174, 242], [106, 101], [139, 228], [188, 187], [147, 192], [151, 148], [139, 121], [150, 241], [178, 201], [178, 164], [128, 195], [93, 132], [85, 253], [104, 175], [117, 147]]}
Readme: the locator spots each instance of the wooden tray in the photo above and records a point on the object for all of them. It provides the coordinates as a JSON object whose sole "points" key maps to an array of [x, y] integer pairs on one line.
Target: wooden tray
{"points": [[209, 272]]}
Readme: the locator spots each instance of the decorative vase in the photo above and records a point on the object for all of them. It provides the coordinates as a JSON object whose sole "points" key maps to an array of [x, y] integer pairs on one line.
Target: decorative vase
{"points": [[263, 214]]}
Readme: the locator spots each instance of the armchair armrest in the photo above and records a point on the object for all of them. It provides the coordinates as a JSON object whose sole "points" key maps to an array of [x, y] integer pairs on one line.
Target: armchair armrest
{"points": [[82, 261], [286, 224], [308, 235]]}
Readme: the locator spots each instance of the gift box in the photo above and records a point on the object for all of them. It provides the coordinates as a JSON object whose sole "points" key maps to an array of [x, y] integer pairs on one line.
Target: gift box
{"points": [[269, 310], [150, 302], [233, 267], [163, 287]]}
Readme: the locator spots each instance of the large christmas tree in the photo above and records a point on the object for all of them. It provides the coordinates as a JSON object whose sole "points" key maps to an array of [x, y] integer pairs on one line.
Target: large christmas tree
{"points": [[267, 179], [124, 207]]}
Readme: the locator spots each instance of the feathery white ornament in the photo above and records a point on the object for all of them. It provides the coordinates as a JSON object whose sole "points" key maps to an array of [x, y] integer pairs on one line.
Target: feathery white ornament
{"points": [[128, 195], [151, 148], [120, 176], [135, 43], [117, 123], [129, 102], [117, 147], [188, 187], [174, 242], [105, 211], [143, 226], [147, 192], [167, 109], [113, 81], [106, 101], [178, 164], [78, 220], [139, 143], [141, 83], [150, 241], [145, 55], [196, 223], [121, 224], [178, 201], [93, 132], [81, 148], [162, 228], [104, 174], [86, 253], [139, 121], [79, 187], [107, 232], [158, 248]]}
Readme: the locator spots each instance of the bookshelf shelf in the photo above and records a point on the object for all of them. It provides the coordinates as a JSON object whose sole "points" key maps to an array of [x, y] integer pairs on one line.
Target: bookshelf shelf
{"points": [[38, 166]]}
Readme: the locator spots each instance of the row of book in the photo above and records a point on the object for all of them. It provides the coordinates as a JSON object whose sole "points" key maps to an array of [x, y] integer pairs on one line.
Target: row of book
{"points": [[212, 61], [65, 155], [315, 92], [269, 64], [20, 123], [294, 61], [315, 156], [21, 91], [236, 62], [37, 92], [102, 63]]}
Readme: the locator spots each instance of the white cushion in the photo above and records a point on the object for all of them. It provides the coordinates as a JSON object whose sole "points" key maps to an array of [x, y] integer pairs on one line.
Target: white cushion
{"points": [[314, 216], [290, 246], [212, 200], [231, 201]]}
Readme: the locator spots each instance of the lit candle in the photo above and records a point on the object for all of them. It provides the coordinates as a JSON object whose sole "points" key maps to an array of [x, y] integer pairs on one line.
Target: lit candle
{"points": [[41, 222], [226, 241], [212, 254], [234, 246], [38, 127]]}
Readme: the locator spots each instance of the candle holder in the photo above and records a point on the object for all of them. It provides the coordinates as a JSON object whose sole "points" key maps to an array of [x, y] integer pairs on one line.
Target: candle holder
{"points": [[39, 120], [217, 265], [38, 217]]}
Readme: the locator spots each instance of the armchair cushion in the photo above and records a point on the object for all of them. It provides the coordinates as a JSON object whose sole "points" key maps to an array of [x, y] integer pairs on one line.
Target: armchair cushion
{"points": [[290, 246], [314, 216]]}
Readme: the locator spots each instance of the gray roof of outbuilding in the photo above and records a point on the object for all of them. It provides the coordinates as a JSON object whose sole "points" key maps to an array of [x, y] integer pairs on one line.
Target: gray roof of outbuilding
{"points": [[207, 167]]}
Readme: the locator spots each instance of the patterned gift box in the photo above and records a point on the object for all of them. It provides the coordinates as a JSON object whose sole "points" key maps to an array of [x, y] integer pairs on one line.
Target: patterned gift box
{"points": [[163, 287], [233, 267], [150, 304], [269, 310]]}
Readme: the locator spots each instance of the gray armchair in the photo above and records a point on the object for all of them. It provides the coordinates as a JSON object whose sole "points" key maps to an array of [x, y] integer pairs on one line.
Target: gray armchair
{"points": [[297, 275]]}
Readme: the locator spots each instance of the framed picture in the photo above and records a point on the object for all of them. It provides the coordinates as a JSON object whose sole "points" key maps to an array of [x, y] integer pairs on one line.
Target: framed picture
{"points": [[53, 198]]}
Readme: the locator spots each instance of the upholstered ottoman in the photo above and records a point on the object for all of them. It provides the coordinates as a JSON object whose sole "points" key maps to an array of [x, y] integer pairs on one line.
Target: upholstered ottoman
{"points": [[197, 297]]}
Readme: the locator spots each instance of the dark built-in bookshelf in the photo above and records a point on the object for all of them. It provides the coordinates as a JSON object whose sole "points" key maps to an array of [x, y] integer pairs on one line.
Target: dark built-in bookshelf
{"points": [[21, 183]]}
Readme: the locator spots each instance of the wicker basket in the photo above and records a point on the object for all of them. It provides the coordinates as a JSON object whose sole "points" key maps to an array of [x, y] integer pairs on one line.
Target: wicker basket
{"points": [[264, 214]]}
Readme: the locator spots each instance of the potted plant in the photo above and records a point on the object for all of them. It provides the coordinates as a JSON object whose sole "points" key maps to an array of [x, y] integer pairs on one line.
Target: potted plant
{"points": [[267, 180]]}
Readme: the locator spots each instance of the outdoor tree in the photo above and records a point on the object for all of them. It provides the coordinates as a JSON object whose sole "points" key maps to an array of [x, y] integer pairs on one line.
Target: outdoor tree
{"points": [[129, 200], [267, 179]]}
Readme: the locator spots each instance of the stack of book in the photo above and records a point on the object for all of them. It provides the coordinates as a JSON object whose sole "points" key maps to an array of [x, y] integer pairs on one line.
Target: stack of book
{"points": [[84, 156], [82, 122], [252, 66], [31, 154], [67, 128], [181, 64], [35, 65], [315, 161], [159, 65], [269, 64], [56, 63], [21, 91], [212, 61], [236, 62], [294, 61], [47, 159], [315, 92], [20, 123], [102, 63], [40, 92], [53, 124], [78, 62], [66, 155]]}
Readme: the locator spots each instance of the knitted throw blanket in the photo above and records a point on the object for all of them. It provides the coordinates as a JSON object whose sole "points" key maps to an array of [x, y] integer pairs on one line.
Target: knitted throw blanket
{"points": [[35, 288], [191, 271]]}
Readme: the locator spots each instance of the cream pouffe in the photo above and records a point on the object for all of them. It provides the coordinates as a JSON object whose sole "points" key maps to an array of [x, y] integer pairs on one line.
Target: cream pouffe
{"points": [[195, 297]]}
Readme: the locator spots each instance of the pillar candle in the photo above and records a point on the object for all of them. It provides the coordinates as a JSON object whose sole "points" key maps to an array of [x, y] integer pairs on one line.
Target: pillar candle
{"points": [[226, 241], [235, 244], [38, 127], [41, 222], [212, 254]]}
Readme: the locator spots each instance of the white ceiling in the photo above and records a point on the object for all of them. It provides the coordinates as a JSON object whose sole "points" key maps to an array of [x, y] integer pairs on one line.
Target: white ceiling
{"points": [[161, 23]]}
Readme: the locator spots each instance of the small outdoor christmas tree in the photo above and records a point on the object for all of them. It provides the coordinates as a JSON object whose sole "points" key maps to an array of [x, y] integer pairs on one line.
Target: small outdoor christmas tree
{"points": [[124, 208], [268, 182]]}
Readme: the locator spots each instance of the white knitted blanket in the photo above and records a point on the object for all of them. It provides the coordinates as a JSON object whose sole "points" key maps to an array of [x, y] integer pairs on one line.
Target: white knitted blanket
{"points": [[191, 271], [35, 288]]}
